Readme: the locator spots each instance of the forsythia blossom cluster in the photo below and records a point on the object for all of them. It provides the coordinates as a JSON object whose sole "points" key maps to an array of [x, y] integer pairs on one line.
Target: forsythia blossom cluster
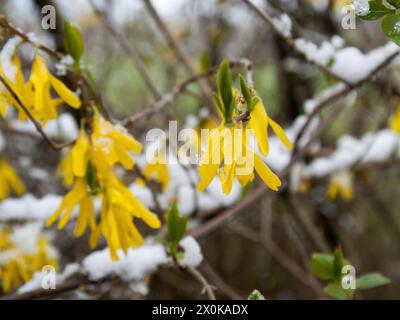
{"points": [[88, 166], [229, 152], [9, 181], [20, 258], [35, 94]]}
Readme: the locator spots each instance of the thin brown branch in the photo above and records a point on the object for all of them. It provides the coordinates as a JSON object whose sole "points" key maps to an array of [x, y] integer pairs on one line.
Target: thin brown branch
{"points": [[289, 39], [183, 56], [129, 50], [280, 256], [10, 130], [176, 91], [207, 288], [5, 24], [305, 219], [220, 283], [45, 294]]}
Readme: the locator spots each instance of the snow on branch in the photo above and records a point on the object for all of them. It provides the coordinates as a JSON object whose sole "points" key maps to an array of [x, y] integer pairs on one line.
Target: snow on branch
{"points": [[370, 148]]}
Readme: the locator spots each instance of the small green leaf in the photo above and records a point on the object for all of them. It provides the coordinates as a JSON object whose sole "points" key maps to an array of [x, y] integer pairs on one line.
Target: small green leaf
{"points": [[371, 280], [391, 27], [322, 266], [338, 263], [253, 103], [91, 179], [245, 90], [73, 40], [218, 103], [376, 11], [176, 226], [255, 295], [224, 85], [335, 290]]}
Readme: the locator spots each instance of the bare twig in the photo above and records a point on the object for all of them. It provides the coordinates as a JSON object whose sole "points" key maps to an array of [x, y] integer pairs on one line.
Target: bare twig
{"points": [[207, 288], [11, 130], [183, 56], [5, 24], [221, 284], [44, 294], [130, 51], [305, 219], [176, 91], [289, 39], [285, 261]]}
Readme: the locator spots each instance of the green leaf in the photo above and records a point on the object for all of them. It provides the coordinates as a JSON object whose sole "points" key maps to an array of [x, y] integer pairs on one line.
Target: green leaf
{"points": [[338, 263], [255, 295], [376, 11], [371, 280], [322, 266], [391, 27], [245, 90], [253, 103], [91, 179], [73, 40], [218, 103], [176, 226], [335, 290], [224, 85]]}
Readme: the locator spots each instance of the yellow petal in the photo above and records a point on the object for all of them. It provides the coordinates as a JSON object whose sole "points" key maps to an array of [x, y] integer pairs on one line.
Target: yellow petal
{"points": [[270, 179], [66, 94], [227, 178], [79, 155], [86, 210], [212, 160], [259, 123], [280, 133]]}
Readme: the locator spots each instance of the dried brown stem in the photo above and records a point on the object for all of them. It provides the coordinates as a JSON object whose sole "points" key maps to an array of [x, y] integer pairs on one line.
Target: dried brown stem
{"points": [[207, 288]]}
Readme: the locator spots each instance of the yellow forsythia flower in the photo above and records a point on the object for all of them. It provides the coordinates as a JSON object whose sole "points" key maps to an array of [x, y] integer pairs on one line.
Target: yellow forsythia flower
{"points": [[228, 149], [18, 264], [9, 181], [395, 121], [35, 94], [229, 145], [88, 166], [157, 169], [22, 90], [341, 183], [113, 142], [260, 122]]}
